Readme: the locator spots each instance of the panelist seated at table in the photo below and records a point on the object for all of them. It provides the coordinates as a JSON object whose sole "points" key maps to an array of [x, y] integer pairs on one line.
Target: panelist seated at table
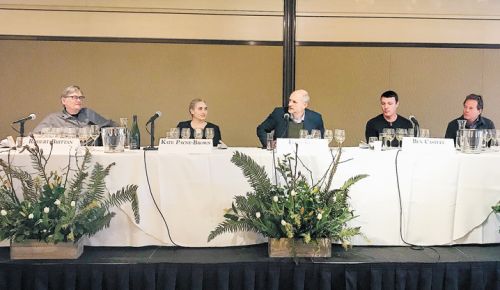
{"points": [[73, 114], [389, 103], [287, 122], [199, 110], [473, 107]]}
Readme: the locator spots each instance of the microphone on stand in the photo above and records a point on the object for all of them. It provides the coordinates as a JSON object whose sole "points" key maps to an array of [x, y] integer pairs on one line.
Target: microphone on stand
{"points": [[286, 117], [30, 117], [416, 126], [154, 117], [22, 121], [151, 123]]}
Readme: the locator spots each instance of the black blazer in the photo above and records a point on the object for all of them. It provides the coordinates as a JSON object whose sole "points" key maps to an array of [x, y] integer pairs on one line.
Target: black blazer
{"points": [[217, 135], [276, 121]]}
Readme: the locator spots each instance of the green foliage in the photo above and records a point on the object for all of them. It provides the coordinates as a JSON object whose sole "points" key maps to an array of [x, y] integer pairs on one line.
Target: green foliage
{"points": [[295, 209], [49, 210]]}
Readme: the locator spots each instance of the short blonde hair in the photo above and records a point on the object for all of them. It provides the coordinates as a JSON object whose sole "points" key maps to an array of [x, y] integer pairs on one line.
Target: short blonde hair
{"points": [[193, 103]]}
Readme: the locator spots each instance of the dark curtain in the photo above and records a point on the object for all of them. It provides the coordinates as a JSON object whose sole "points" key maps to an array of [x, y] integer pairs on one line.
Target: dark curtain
{"points": [[284, 275]]}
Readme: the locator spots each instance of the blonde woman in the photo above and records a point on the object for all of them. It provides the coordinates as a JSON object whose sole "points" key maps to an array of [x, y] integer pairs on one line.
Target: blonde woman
{"points": [[199, 110]]}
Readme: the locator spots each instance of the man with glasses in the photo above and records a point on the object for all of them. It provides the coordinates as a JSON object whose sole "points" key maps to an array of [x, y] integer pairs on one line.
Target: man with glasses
{"points": [[473, 107], [73, 115]]}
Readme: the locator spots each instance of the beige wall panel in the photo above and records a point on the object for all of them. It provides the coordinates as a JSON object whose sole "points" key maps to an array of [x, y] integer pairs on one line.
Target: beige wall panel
{"points": [[433, 83], [140, 25], [401, 8], [241, 6], [240, 83], [344, 84], [397, 30]]}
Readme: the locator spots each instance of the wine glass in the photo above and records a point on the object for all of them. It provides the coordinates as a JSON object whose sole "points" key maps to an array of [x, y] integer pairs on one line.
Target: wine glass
{"points": [[209, 133], [329, 136], [486, 138], [389, 135], [316, 134], [94, 132], [70, 132], [424, 133], [303, 133], [174, 133], [198, 133], [185, 133], [339, 135], [400, 133], [84, 135]]}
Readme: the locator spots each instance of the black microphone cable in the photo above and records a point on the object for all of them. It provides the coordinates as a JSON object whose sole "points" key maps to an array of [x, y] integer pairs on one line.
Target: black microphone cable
{"points": [[156, 204], [412, 246]]}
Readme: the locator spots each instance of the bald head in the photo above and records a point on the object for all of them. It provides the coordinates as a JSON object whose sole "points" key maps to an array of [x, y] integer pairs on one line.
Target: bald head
{"points": [[298, 102]]}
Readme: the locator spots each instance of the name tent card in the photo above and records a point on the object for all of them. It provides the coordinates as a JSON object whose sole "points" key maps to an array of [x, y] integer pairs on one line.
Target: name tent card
{"points": [[305, 146], [59, 145], [185, 145], [428, 144]]}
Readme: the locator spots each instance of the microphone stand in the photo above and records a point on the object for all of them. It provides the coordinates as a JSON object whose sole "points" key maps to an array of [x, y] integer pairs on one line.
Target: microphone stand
{"points": [[152, 134], [21, 129]]}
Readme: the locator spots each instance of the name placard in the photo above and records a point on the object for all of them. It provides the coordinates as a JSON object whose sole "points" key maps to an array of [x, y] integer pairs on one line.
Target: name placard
{"points": [[305, 146], [185, 145], [428, 144], [59, 145]]}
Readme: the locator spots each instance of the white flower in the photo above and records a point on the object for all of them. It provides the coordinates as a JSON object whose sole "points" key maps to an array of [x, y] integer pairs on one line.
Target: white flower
{"points": [[275, 198], [73, 203], [317, 197], [44, 231], [319, 216], [3, 212], [283, 223], [257, 214], [46, 210], [57, 202], [31, 216], [293, 193]]}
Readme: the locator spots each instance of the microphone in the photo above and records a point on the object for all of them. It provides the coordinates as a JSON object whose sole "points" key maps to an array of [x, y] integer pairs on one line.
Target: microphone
{"points": [[154, 117], [30, 117], [286, 116], [416, 126], [414, 120]]}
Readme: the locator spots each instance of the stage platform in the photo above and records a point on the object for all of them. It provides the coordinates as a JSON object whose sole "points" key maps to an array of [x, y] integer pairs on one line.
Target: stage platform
{"points": [[453, 267]]}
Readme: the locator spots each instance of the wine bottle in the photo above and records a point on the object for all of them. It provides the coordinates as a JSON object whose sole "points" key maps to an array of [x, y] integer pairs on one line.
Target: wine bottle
{"points": [[135, 135]]}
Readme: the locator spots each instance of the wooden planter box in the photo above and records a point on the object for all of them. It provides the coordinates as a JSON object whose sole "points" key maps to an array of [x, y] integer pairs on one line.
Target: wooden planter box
{"points": [[41, 250], [281, 248]]}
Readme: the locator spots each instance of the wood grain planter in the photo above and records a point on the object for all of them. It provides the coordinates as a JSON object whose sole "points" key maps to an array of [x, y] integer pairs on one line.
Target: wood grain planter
{"points": [[41, 250], [281, 248]]}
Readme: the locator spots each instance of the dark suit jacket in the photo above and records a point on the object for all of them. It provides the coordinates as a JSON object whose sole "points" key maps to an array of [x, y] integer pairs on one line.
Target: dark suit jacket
{"points": [[482, 123], [276, 121]]}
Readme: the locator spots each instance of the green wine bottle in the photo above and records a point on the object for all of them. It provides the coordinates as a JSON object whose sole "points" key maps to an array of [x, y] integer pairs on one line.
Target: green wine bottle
{"points": [[135, 135]]}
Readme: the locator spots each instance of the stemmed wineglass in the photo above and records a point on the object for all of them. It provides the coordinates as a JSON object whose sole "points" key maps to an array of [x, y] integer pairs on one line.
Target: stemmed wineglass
{"points": [[303, 133], [389, 135], [198, 133], [328, 135], [486, 138], [339, 135], [84, 135], [209, 133], [94, 132], [400, 133], [185, 133]]}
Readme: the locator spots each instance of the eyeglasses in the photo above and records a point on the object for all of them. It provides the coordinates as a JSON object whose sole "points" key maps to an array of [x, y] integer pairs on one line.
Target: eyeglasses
{"points": [[81, 98]]}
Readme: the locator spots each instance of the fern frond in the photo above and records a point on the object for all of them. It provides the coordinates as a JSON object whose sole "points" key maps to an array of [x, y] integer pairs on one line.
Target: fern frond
{"points": [[352, 181], [255, 174], [128, 193], [231, 226], [96, 187]]}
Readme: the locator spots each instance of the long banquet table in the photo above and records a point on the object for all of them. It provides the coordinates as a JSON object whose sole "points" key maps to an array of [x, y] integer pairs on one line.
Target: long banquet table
{"points": [[445, 199]]}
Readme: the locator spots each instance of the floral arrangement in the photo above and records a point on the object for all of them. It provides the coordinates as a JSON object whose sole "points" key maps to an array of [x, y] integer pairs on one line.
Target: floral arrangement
{"points": [[295, 209], [53, 207]]}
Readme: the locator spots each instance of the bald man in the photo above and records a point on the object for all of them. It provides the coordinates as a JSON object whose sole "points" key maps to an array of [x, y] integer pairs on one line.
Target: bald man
{"points": [[287, 122]]}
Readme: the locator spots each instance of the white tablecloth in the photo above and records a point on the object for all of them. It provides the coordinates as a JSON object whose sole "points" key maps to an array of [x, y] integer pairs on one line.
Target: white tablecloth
{"points": [[446, 199]]}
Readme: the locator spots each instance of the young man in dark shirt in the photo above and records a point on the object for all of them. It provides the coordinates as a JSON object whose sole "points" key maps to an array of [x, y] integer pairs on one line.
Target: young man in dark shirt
{"points": [[389, 102]]}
